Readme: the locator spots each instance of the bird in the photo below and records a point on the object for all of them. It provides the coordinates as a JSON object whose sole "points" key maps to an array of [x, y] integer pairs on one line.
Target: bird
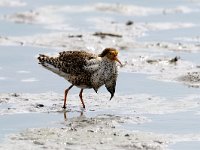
{"points": [[85, 70]]}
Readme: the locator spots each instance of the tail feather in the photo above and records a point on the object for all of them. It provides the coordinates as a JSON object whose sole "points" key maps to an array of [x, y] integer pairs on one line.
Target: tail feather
{"points": [[44, 59], [51, 63]]}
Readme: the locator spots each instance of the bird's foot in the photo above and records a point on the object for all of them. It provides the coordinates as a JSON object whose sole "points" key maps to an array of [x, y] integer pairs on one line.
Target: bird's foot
{"points": [[64, 107], [82, 109]]}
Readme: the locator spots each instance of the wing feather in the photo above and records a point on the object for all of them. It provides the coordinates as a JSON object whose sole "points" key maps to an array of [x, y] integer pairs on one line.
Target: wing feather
{"points": [[76, 62]]}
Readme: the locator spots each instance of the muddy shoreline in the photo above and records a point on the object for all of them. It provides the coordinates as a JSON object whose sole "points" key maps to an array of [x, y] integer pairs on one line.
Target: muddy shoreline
{"points": [[159, 48], [101, 124]]}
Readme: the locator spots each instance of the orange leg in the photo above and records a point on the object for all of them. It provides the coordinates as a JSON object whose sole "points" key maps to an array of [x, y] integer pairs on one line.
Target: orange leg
{"points": [[65, 97], [81, 97]]}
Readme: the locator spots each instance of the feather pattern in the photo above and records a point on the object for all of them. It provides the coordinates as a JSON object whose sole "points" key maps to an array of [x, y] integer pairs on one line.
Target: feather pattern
{"points": [[83, 69]]}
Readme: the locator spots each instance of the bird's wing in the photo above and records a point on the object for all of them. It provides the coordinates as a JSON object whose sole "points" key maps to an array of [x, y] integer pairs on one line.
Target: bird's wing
{"points": [[77, 62]]}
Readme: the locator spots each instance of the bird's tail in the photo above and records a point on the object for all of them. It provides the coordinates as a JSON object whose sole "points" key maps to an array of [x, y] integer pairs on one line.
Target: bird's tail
{"points": [[44, 60], [50, 63]]}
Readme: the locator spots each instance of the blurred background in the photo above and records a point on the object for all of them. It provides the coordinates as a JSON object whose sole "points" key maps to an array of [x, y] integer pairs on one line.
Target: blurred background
{"points": [[147, 29], [148, 34]]}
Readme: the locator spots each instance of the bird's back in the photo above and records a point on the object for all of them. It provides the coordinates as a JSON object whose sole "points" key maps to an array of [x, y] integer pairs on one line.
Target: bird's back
{"points": [[72, 65]]}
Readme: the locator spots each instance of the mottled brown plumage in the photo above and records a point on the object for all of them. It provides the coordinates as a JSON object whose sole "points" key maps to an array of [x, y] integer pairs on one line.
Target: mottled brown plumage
{"points": [[84, 70]]}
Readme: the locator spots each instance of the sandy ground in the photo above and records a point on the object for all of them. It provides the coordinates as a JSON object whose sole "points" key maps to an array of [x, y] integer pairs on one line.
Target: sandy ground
{"points": [[103, 125], [104, 129]]}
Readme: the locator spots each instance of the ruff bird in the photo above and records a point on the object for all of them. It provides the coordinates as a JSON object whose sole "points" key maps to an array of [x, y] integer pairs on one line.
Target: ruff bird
{"points": [[84, 70]]}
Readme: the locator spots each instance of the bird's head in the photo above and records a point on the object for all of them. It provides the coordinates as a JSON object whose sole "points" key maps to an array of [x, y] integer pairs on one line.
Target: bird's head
{"points": [[110, 53]]}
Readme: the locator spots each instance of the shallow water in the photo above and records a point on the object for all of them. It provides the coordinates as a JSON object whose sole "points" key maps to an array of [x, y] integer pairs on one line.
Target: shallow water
{"points": [[178, 123], [27, 76], [194, 145], [19, 122], [15, 123], [20, 73]]}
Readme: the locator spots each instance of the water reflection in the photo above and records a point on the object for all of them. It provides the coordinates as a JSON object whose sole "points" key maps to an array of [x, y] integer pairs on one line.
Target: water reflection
{"points": [[66, 117]]}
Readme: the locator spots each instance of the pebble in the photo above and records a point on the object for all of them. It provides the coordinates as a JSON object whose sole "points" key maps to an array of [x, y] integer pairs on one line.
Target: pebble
{"points": [[39, 105]]}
